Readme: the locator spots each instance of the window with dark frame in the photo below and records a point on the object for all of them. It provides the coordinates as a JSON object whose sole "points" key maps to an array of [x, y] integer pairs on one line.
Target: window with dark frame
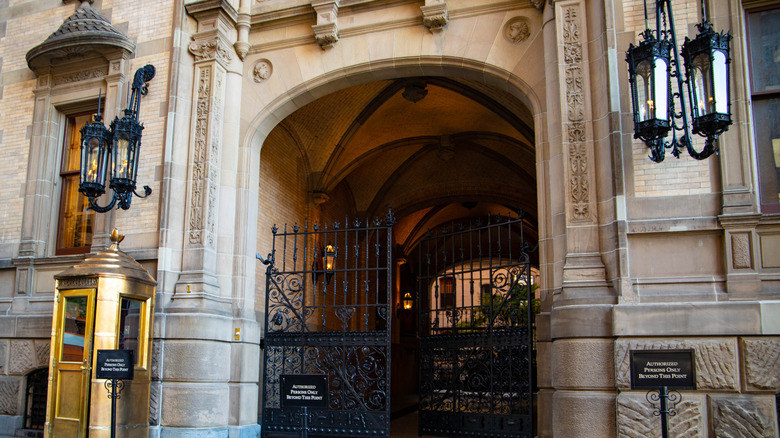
{"points": [[763, 28], [74, 228], [447, 293]]}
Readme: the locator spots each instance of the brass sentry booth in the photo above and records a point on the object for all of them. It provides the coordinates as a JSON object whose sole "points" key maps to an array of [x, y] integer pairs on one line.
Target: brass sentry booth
{"points": [[105, 302]]}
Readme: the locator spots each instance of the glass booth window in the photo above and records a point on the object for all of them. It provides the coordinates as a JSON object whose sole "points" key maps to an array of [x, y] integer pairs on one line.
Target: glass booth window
{"points": [[764, 47], [75, 329], [74, 231], [130, 326]]}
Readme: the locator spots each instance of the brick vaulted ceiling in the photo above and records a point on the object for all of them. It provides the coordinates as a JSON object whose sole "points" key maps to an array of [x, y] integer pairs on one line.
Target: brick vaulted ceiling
{"points": [[463, 150]]}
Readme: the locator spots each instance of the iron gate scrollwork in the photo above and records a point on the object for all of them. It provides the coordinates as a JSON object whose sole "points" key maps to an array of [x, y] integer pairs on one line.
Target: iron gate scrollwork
{"points": [[328, 313], [476, 337]]}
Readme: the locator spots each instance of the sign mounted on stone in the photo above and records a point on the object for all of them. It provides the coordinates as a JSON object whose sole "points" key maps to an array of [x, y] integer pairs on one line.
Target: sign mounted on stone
{"points": [[651, 369]]}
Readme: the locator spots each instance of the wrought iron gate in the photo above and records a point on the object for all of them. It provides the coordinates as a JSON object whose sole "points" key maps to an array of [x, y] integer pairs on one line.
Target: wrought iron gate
{"points": [[328, 313], [476, 337]]}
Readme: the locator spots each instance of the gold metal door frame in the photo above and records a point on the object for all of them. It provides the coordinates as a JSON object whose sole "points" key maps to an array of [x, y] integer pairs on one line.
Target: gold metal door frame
{"points": [[70, 379]]}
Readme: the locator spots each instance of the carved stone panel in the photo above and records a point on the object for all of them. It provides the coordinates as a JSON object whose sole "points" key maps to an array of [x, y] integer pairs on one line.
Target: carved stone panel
{"points": [[743, 416], [9, 396], [517, 30], [740, 251], [715, 358], [42, 350], [22, 358], [206, 154], [762, 363], [636, 420]]}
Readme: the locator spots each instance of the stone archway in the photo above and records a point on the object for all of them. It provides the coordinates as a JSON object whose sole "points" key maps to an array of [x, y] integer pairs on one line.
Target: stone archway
{"points": [[330, 161]]}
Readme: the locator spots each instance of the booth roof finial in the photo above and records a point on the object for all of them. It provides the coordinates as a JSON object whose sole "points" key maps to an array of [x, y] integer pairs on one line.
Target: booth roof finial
{"points": [[116, 238]]}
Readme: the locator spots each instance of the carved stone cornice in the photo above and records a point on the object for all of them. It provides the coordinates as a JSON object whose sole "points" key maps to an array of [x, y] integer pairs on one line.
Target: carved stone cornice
{"points": [[326, 34], [435, 16], [212, 49]]}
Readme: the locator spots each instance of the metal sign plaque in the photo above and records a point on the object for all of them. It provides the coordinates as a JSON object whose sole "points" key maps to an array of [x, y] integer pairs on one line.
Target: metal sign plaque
{"points": [[304, 390], [115, 364], [651, 369]]}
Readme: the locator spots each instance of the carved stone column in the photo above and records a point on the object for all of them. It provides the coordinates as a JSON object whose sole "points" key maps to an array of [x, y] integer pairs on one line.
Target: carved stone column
{"points": [[326, 31], [213, 53], [584, 276]]}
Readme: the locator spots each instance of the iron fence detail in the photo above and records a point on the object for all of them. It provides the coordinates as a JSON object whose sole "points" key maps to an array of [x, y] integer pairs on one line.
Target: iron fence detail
{"points": [[328, 313], [476, 331]]}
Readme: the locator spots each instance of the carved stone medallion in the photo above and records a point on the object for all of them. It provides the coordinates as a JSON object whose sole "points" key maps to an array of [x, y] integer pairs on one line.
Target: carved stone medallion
{"points": [[262, 70], [517, 30]]}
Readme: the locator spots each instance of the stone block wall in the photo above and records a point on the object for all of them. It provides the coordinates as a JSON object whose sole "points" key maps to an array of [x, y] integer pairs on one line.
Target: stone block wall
{"points": [[737, 379]]}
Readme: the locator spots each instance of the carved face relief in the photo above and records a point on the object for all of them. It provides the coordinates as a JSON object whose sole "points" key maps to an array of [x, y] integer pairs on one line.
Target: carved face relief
{"points": [[262, 70], [517, 30]]}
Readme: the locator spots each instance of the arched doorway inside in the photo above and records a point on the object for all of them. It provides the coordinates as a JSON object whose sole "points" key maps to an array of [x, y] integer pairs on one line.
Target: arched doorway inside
{"points": [[440, 151]]}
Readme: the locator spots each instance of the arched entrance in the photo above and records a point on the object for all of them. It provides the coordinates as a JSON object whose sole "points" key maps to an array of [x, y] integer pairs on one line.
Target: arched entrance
{"points": [[440, 150]]}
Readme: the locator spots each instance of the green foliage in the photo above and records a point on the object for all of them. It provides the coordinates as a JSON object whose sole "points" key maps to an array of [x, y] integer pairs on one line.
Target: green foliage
{"points": [[507, 311]]}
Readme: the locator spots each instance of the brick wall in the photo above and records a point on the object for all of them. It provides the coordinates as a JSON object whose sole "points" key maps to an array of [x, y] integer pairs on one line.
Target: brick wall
{"points": [[685, 176]]}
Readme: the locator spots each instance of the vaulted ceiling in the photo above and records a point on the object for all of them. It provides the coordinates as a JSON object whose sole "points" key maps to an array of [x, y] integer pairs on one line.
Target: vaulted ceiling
{"points": [[436, 149]]}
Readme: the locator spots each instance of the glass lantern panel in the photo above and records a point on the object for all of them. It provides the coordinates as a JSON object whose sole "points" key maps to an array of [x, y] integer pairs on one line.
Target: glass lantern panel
{"points": [[644, 103], [720, 83], [130, 326], [92, 147], [701, 79], [121, 166], [660, 103]]}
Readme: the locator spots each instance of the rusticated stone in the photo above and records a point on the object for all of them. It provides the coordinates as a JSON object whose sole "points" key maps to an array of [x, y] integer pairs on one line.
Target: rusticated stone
{"points": [[716, 360], [154, 403], [156, 358], [42, 350], [636, 418], [3, 356], [743, 416], [22, 357], [9, 396], [762, 362]]}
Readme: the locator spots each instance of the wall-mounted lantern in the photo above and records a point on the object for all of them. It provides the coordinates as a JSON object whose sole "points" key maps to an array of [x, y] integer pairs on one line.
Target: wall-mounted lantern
{"points": [[120, 146], [407, 302], [651, 68]]}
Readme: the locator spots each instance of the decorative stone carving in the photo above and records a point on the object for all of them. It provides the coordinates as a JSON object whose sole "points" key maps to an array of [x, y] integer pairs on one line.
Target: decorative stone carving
{"points": [[538, 4], [740, 251], [211, 49], [154, 403], [199, 158], [42, 352], [156, 358], [743, 417], [326, 31], [22, 358], [579, 182], [9, 396], [78, 282], [262, 70], [319, 198], [3, 356], [79, 76], [435, 15], [636, 420], [762, 362], [445, 150], [716, 360], [206, 155], [415, 91], [517, 30]]}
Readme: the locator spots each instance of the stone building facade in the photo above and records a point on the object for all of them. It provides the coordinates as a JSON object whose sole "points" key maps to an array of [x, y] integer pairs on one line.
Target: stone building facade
{"points": [[266, 112]]}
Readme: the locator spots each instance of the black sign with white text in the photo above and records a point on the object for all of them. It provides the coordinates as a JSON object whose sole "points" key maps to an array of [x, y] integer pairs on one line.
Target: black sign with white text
{"points": [[304, 390], [651, 369], [115, 364]]}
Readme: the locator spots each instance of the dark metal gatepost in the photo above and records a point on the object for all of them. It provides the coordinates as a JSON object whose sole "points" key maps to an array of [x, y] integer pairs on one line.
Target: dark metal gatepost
{"points": [[328, 313]]}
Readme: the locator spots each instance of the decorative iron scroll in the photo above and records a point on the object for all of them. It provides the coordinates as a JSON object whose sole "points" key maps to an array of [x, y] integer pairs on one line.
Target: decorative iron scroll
{"points": [[476, 337], [327, 313]]}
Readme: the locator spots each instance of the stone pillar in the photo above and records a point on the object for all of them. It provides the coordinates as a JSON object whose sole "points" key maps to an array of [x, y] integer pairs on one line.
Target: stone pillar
{"points": [[584, 275], [213, 53]]}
